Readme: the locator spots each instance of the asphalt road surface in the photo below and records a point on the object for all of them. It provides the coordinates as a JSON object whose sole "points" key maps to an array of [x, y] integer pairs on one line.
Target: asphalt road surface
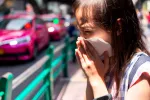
{"points": [[18, 67]]}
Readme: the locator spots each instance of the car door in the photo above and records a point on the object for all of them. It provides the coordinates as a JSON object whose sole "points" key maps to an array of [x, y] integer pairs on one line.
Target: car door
{"points": [[40, 31]]}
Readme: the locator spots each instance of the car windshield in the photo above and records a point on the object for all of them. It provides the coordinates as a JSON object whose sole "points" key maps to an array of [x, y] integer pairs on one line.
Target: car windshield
{"points": [[48, 19], [53, 20], [14, 23]]}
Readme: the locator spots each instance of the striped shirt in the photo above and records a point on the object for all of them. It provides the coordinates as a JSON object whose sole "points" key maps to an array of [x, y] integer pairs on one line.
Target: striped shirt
{"points": [[124, 86]]}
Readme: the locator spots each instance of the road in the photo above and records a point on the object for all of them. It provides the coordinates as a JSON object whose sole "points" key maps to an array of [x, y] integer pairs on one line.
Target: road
{"points": [[16, 68]]}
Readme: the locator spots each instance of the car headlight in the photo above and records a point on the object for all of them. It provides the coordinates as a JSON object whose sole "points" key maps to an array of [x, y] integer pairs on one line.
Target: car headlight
{"points": [[51, 29], [66, 24], [16, 41]]}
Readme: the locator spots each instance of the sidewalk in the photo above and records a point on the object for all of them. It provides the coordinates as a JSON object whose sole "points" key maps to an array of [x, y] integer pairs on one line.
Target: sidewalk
{"points": [[74, 87]]}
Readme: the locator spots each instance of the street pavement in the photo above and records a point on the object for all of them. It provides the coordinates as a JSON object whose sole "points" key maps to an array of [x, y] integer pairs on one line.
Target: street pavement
{"points": [[73, 87]]}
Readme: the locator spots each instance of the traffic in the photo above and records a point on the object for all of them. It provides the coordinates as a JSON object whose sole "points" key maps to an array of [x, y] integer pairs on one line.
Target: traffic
{"points": [[24, 42], [22, 36]]}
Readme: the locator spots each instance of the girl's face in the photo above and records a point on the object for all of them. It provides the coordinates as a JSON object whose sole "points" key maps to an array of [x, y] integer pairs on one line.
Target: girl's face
{"points": [[88, 29]]}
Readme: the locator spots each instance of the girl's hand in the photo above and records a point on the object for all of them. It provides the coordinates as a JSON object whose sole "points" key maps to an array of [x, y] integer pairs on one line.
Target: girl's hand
{"points": [[90, 61], [92, 66]]}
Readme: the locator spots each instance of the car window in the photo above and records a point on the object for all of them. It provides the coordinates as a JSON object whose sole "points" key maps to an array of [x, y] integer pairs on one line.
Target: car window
{"points": [[53, 20], [14, 24], [48, 19], [39, 21]]}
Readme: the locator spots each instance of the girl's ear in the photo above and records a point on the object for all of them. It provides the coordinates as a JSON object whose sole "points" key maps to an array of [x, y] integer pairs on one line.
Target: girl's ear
{"points": [[119, 24]]}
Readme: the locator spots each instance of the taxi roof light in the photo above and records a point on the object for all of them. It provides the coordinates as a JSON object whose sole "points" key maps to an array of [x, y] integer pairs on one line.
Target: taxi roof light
{"points": [[56, 21]]}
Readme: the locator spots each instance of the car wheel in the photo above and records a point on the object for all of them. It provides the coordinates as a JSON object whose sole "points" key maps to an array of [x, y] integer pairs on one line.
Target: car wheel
{"points": [[35, 52], [48, 43]]}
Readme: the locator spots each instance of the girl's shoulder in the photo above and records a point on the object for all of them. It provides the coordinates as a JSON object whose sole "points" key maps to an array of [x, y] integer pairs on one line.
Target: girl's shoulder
{"points": [[140, 64]]}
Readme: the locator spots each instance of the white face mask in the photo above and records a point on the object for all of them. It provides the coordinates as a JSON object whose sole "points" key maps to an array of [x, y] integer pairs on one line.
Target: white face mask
{"points": [[100, 46]]}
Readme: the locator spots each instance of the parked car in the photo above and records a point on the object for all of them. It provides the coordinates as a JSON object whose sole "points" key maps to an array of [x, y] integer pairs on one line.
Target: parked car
{"points": [[55, 26], [22, 36]]}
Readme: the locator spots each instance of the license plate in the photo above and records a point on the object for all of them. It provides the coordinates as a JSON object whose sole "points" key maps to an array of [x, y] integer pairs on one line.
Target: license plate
{"points": [[1, 51]]}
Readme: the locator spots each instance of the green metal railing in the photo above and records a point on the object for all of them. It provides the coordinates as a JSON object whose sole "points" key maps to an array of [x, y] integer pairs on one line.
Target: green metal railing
{"points": [[6, 86], [51, 70]]}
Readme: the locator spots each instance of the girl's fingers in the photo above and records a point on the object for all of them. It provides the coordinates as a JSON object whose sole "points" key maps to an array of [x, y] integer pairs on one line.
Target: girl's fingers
{"points": [[87, 61], [79, 38], [79, 62], [85, 52], [88, 48], [77, 57], [82, 43], [78, 44], [91, 49], [88, 52], [95, 57], [88, 58], [78, 41], [82, 62], [80, 48]]}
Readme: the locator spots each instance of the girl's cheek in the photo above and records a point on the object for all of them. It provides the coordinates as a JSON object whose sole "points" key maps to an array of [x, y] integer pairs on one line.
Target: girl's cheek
{"points": [[81, 35], [85, 36]]}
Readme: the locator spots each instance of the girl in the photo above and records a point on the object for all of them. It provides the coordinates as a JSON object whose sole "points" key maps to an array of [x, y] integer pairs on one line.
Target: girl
{"points": [[124, 75]]}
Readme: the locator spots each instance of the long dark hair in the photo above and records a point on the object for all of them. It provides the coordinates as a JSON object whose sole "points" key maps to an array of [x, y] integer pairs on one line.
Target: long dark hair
{"points": [[105, 14]]}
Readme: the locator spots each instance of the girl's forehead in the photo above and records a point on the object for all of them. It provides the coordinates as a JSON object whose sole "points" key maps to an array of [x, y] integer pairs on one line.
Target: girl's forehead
{"points": [[83, 16]]}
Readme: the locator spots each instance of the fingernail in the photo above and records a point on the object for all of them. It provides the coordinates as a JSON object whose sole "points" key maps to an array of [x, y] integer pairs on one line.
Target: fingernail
{"points": [[78, 38], [78, 43], [76, 50]]}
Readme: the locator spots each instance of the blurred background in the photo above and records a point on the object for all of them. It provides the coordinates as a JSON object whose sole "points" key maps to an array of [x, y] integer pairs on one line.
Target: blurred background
{"points": [[29, 27]]}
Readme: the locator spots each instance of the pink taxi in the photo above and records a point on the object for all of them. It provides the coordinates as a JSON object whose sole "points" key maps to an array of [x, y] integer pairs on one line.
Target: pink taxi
{"points": [[22, 36], [55, 26]]}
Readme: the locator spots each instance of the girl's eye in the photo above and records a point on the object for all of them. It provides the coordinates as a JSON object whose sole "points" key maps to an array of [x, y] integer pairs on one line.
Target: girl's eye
{"points": [[87, 32]]}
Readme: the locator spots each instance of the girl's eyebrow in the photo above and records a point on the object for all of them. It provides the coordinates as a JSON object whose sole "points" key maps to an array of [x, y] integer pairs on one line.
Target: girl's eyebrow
{"points": [[87, 26], [82, 20], [84, 25]]}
